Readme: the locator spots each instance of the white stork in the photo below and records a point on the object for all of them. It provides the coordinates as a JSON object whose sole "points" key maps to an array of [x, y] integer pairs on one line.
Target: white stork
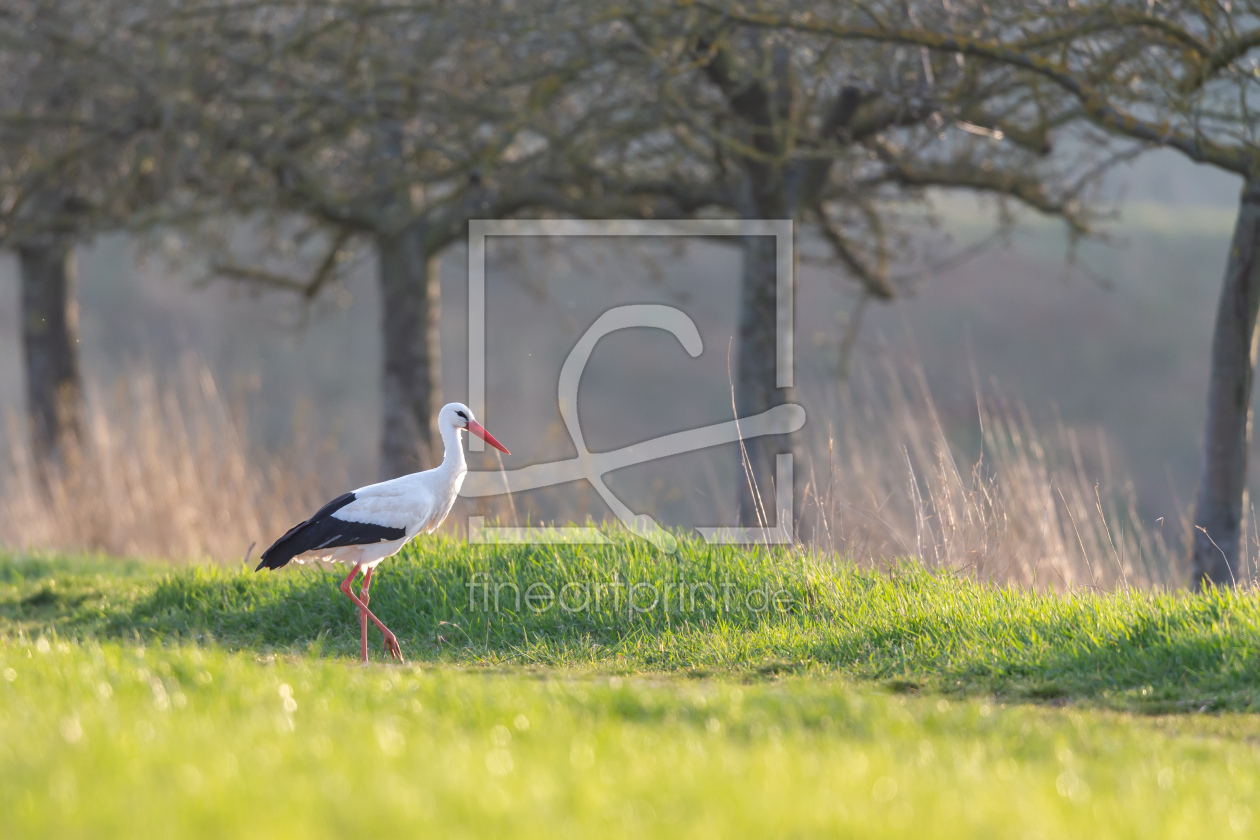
{"points": [[374, 522]]}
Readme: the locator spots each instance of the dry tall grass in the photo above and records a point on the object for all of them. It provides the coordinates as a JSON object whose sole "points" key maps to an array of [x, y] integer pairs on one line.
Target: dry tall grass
{"points": [[170, 472], [1025, 511], [163, 470]]}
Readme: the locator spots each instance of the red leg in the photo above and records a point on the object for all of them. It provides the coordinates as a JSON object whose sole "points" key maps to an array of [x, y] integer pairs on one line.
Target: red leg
{"points": [[391, 641], [363, 621], [345, 587]]}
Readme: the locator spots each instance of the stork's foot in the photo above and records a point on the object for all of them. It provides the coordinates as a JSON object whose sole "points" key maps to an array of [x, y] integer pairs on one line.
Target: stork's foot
{"points": [[392, 647]]}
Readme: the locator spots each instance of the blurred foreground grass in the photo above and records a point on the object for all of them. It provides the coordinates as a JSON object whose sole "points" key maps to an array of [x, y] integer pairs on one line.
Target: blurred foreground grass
{"points": [[800, 698], [117, 740]]}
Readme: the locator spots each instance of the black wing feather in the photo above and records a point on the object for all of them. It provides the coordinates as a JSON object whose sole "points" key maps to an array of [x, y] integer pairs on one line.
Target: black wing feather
{"points": [[323, 530]]}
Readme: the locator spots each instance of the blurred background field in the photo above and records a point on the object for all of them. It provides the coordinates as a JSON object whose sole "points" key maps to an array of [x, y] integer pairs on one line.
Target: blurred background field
{"points": [[218, 415]]}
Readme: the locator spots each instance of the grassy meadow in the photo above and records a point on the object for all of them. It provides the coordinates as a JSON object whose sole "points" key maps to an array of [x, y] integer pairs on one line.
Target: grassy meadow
{"points": [[715, 692]]}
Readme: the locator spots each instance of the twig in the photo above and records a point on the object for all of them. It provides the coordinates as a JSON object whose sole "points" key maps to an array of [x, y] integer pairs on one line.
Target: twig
{"points": [[1218, 548]]}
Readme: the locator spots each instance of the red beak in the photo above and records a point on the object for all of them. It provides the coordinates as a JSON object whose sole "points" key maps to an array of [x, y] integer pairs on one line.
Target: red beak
{"points": [[480, 431]]}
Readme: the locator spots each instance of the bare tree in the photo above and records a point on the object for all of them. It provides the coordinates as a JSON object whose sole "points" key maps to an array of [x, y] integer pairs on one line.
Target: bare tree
{"points": [[393, 124], [81, 132], [851, 139], [1176, 74]]}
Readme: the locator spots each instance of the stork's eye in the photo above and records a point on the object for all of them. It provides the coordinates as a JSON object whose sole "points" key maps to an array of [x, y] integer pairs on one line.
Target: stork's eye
{"points": [[462, 415]]}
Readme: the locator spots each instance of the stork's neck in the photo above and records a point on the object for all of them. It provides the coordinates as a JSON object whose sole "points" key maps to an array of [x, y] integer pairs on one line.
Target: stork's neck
{"points": [[453, 462]]}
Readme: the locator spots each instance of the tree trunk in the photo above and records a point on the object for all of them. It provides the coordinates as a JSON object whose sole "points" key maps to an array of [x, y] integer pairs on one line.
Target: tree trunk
{"points": [[1221, 503], [411, 378], [50, 345], [755, 384]]}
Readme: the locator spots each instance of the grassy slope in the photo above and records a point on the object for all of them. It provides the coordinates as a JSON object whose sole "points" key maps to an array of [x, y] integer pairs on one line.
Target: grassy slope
{"points": [[203, 702], [1132, 650]]}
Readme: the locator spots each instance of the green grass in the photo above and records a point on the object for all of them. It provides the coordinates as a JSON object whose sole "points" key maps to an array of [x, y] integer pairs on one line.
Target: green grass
{"points": [[139, 699], [753, 612], [117, 740]]}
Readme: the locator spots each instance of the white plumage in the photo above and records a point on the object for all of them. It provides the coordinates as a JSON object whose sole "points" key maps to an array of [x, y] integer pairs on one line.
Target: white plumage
{"points": [[372, 523]]}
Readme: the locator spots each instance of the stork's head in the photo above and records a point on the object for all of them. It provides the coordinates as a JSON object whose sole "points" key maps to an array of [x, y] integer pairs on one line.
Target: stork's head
{"points": [[460, 416]]}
